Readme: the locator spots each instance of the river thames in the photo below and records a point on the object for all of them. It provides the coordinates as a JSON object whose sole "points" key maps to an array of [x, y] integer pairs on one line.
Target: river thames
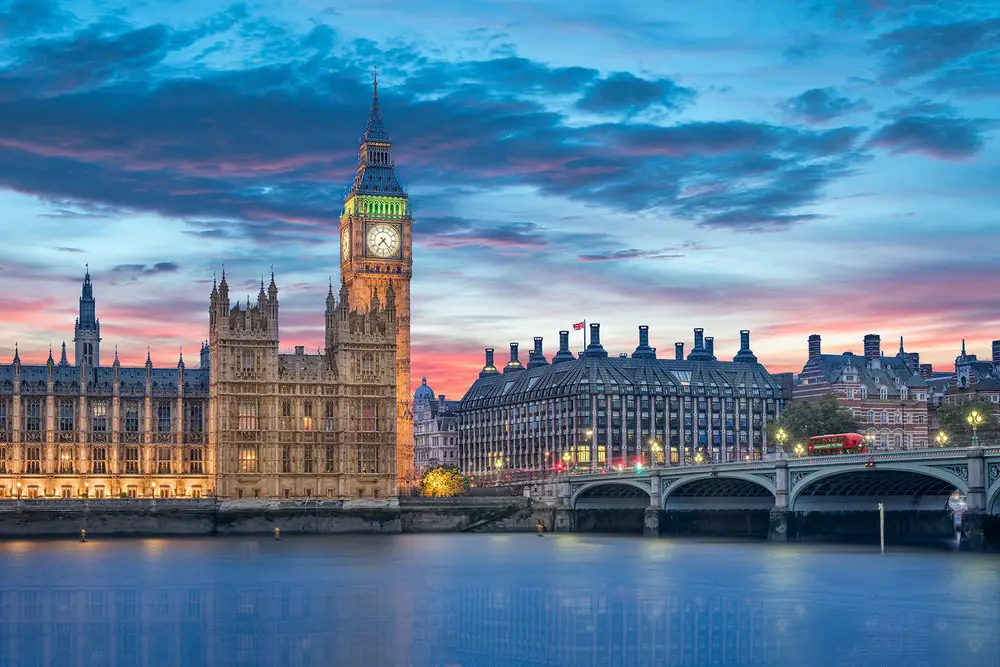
{"points": [[473, 599]]}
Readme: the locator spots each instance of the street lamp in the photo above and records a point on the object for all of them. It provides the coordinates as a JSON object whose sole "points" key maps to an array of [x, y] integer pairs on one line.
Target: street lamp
{"points": [[942, 438], [18, 490], [870, 440], [781, 437], [656, 449], [974, 419], [699, 458], [799, 449]]}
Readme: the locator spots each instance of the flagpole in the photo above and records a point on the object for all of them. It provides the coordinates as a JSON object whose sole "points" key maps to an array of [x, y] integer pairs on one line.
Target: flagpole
{"points": [[585, 335]]}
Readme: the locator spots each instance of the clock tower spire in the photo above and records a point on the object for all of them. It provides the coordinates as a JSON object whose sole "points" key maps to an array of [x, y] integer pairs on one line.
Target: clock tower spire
{"points": [[376, 241]]}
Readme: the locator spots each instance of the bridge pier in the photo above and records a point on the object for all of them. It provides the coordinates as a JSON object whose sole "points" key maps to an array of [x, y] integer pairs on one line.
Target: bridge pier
{"points": [[779, 526], [978, 527], [651, 518]]}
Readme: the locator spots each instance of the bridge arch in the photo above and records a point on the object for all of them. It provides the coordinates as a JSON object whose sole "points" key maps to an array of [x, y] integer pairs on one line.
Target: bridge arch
{"points": [[993, 498], [611, 494], [899, 486], [722, 490]]}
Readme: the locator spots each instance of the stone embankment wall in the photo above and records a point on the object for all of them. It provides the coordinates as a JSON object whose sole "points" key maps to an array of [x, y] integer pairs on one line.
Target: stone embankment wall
{"points": [[242, 517]]}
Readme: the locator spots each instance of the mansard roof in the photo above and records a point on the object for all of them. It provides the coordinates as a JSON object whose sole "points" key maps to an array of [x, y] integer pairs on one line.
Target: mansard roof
{"points": [[893, 373], [372, 180], [618, 375]]}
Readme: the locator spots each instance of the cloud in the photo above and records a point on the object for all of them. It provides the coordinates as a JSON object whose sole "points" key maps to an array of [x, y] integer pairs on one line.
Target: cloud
{"points": [[133, 272], [676, 252], [250, 153], [624, 92], [819, 105], [453, 232], [804, 50], [25, 18], [921, 49], [934, 130], [66, 249]]}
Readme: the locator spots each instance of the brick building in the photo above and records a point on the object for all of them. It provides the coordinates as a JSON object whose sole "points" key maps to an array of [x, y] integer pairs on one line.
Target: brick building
{"points": [[887, 395]]}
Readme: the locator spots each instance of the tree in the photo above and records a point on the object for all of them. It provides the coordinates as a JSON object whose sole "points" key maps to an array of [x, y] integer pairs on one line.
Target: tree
{"points": [[443, 482], [802, 420], [952, 415]]}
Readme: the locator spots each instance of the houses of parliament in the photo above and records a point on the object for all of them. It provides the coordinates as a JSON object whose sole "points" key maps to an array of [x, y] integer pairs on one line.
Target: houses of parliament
{"points": [[249, 421]]}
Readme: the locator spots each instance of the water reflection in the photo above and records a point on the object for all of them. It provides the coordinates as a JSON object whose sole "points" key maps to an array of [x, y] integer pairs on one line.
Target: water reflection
{"points": [[475, 600]]}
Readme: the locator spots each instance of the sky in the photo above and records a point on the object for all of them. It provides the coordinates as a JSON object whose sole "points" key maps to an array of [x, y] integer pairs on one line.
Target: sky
{"points": [[791, 168]]}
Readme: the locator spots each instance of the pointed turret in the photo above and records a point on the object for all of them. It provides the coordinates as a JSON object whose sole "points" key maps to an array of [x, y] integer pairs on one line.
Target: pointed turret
{"points": [[180, 358], [116, 363], [376, 175], [331, 300], [149, 359], [375, 127], [87, 334], [272, 288], [62, 357], [261, 295], [50, 361], [17, 357]]}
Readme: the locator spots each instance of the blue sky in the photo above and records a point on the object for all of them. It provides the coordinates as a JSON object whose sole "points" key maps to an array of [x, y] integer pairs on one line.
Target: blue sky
{"points": [[785, 167]]}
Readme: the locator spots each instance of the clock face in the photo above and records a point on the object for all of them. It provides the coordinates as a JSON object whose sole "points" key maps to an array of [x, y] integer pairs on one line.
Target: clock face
{"points": [[383, 240], [345, 244]]}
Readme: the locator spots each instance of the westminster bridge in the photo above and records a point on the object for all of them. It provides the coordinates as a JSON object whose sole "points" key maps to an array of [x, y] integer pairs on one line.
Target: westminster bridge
{"points": [[791, 498]]}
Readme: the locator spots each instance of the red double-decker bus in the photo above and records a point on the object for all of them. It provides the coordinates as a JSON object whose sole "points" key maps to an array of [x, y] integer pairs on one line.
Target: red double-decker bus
{"points": [[840, 443]]}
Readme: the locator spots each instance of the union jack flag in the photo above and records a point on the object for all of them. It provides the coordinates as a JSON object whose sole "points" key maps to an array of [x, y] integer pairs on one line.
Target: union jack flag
{"points": [[579, 325]]}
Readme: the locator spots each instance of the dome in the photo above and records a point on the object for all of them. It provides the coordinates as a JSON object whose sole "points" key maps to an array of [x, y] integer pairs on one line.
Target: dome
{"points": [[423, 392]]}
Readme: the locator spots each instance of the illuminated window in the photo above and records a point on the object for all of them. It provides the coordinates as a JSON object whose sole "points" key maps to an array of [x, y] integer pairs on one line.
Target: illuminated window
{"points": [[247, 415], [307, 416], [131, 461], [367, 459], [33, 460], [99, 460], [99, 416], [194, 461], [163, 460], [248, 460], [583, 454]]}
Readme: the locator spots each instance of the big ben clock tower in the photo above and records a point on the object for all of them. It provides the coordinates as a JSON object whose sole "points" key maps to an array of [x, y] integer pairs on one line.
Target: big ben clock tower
{"points": [[376, 244]]}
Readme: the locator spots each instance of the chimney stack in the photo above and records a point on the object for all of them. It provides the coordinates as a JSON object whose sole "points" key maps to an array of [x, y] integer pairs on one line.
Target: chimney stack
{"points": [[644, 339], [537, 358], [488, 367], [913, 360], [745, 353], [815, 347], [513, 364], [710, 346], [926, 371], [564, 353], [644, 351], [679, 351], [441, 399], [873, 346], [996, 351], [594, 348], [698, 352], [699, 338]]}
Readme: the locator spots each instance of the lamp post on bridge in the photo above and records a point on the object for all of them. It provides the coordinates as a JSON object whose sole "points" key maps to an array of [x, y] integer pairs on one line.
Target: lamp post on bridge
{"points": [[975, 419], [942, 438], [781, 436]]}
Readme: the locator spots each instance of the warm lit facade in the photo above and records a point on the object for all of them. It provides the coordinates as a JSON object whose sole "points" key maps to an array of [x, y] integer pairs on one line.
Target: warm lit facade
{"points": [[376, 248], [887, 395], [303, 425], [248, 422], [435, 429], [596, 410]]}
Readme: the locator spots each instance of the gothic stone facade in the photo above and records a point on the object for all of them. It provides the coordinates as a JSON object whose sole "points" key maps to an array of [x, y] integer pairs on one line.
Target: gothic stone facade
{"points": [[887, 395], [597, 411], [250, 422], [298, 425]]}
